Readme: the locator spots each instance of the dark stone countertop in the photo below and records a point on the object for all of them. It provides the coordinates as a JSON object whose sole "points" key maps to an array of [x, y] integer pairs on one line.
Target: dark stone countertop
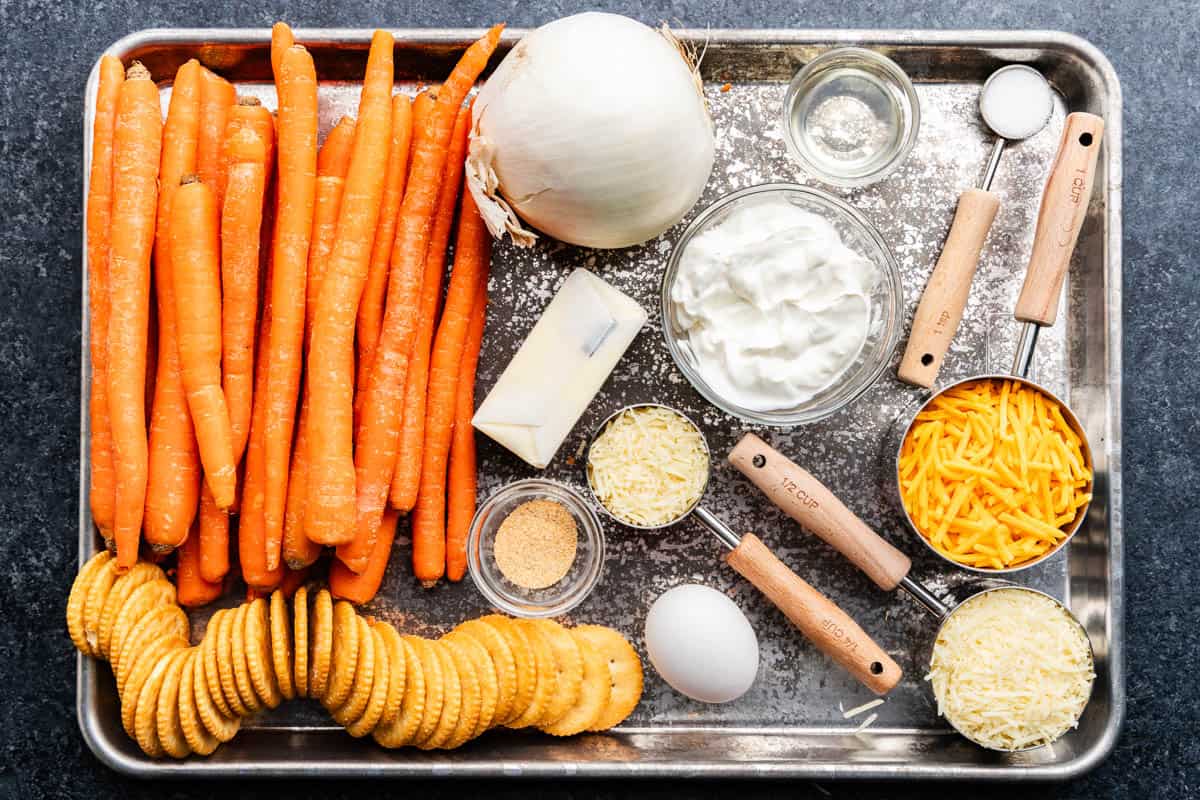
{"points": [[47, 51]]}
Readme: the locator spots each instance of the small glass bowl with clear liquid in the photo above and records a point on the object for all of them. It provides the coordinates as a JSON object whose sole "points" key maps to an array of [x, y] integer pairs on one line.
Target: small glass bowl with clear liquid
{"points": [[850, 116]]}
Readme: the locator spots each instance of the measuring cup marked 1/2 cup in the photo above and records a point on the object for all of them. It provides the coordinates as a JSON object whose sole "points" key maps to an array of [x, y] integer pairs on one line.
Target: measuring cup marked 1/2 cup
{"points": [[826, 625]]}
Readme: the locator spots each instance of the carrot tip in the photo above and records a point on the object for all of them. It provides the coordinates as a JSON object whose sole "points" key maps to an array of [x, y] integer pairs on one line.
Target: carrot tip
{"points": [[137, 71]]}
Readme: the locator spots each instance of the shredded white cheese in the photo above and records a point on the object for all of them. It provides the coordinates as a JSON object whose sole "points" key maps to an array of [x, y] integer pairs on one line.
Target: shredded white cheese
{"points": [[854, 712], [1011, 669], [649, 466], [866, 723]]}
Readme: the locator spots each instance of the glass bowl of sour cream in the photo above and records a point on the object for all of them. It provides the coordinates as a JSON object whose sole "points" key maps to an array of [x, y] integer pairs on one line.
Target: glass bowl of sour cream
{"points": [[781, 304]]}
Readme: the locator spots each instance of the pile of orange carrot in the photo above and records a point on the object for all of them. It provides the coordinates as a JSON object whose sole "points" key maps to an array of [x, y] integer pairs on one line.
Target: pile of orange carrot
{"points": [[275, 350]]}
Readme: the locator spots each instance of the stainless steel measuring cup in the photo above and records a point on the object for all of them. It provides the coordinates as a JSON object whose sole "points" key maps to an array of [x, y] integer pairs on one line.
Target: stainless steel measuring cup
{"points": [[818, 510], [826, 625], [1060, 217]]}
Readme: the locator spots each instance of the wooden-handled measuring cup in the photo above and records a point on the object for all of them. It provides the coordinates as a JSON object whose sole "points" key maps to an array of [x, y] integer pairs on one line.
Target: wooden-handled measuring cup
{"points": [[806, 500], [826, 625], [818, 510], [1061, 216]]}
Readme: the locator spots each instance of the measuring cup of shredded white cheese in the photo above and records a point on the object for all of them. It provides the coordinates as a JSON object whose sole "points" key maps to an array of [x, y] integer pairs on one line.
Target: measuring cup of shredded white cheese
{"points": [[1011, 669], [774, 305], [648, 466]]}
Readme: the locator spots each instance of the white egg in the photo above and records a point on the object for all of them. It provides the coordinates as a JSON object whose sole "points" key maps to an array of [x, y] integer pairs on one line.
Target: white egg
{"points": [[702, 644]]}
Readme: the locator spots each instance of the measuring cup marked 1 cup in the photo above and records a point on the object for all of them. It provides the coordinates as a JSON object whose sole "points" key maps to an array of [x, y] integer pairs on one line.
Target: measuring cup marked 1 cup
{"points": [[1060, 218], [826, 625], [1061, 215], [807, 501], [1016, 102], [1072, 422]]}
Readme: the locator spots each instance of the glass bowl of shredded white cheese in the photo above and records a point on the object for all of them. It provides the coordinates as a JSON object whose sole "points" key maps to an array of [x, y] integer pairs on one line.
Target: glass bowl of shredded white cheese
{"points": [[781, 304]]}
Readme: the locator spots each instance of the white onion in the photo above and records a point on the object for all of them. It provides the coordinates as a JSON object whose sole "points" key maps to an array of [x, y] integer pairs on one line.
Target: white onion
{"points": [[594, 130]]}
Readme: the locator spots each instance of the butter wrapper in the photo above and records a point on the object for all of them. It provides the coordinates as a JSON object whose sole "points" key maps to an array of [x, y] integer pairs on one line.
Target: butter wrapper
{"points": [[559, 368]]}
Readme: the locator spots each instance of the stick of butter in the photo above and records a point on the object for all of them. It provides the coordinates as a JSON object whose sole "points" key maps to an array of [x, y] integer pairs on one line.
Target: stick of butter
{"points": [[560, 367]]}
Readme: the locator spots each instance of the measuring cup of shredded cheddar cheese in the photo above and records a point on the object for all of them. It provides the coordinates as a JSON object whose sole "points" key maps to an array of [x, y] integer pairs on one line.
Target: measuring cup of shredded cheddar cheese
{"points": [[994, 472], [1011, 668], [647, 467]]}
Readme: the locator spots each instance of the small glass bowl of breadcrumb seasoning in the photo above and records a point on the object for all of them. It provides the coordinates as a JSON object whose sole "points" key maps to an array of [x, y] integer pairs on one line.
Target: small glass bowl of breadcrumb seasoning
{"points": [[535, 548]]}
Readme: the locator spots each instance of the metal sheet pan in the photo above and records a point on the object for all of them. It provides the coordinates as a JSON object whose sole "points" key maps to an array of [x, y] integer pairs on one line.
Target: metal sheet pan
{"points": [[789, 724]]}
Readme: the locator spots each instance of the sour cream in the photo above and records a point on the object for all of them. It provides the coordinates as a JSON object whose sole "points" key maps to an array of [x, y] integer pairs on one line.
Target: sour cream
{"points": [[774, 305]]}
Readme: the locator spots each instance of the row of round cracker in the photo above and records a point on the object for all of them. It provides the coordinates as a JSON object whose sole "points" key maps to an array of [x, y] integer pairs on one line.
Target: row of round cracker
{"points": [[488, 672], [404, 690], [177, 699]]}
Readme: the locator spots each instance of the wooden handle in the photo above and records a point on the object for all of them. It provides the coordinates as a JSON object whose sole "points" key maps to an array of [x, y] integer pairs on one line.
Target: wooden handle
{"points": [[806, 500], [828, 627], [1064, 206], [945, 296]]}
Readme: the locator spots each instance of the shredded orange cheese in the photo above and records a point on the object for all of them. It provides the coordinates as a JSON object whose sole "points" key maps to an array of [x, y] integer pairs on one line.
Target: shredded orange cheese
{"points": [[992, 475]]}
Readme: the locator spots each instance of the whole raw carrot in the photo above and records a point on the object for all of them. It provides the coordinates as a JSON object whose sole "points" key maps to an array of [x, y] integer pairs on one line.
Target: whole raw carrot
{"points": [[102, 489], [213, 534], [191, 590], [330, 508], [460, 493], [361, 587], [433, 186], [249, 112], [472, 255], [252, 543], [241, 225], [407, 477], [370, 309], [297, 87], [217, 96], [173, 491], [428, 210], [196, 268], [377, 429], [137, 143], [333, 159], [281, 40]]}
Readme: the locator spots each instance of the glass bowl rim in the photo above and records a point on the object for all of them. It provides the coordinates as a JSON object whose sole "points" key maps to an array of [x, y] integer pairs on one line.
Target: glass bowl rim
{"points": [[911, 115]]}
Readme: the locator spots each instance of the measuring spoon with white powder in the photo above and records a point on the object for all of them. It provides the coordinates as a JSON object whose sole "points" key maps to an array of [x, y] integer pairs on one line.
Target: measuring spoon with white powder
{"points": [[1016, 103]]}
